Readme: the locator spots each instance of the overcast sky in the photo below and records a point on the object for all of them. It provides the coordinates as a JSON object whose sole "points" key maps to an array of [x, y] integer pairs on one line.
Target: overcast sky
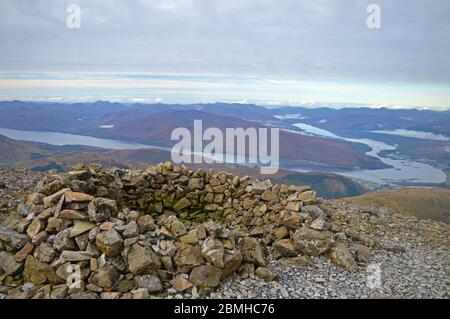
{"points": [[290, 42]]}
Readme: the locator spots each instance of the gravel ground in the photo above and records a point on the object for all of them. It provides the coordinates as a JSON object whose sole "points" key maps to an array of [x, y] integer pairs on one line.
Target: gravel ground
{"points": [[403, 275], [15, 184]]}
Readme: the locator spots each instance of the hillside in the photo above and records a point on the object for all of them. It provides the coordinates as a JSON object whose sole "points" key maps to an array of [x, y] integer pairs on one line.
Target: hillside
{"points": [[423, 203], [327, 185], [153, 125], [43, 157], [295, 149]]}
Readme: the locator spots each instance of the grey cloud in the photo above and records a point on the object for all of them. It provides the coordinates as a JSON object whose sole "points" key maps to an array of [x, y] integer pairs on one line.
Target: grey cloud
{"points": [[320, 39]]}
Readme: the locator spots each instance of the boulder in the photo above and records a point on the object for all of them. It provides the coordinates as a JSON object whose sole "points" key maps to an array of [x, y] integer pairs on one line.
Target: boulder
{"points": [[308, 197], [294, 206], [101, 209], [269, 196], [188, 257], [252, 251], [146, 223], [67, 269], [53, 199], [291, 220], [109, 242], [190, 238], [9, 265], [59, 292], [318, 224], [142, 260], [314, 211], [13, 240], [285, 248], [140, 293], [181, 204], [39, 272], [22, 254], [363, 253], [195, 183], [73, 214], [35, 227], [213, 251], [177, 228], [62, 241], [206, 276], [68, 255], [45, 252], [80, 227], [150, 282], [180, 284], [35, 199], [77, 197], [55, 225], [312, 242], [340, 255], [106, 277], [281, 232], [266, 274], [260, 187], [131, 230], [231, 262]]}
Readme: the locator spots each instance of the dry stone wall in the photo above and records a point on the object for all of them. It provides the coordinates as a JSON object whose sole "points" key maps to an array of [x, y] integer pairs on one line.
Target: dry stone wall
{"points": [[136, 233]]}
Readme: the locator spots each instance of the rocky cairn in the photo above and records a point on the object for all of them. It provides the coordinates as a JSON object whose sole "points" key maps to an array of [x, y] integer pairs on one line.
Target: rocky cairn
{"points": [[95, 233]]}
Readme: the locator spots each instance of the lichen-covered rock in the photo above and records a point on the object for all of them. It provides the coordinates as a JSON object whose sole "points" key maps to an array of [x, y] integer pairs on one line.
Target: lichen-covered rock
{"points": [[105, 277], [131, 230], [178, 228], [9, 265], [213, 251], [109, 242], [312, 242], [188, 257], [285, 248], [252, 251], [142, 260], [363, 253], [266, 274], [150, 282], [39, 272], [206, 276], [101, 209], [231, 262], [340, 255], [12, 239], [180, 283]]}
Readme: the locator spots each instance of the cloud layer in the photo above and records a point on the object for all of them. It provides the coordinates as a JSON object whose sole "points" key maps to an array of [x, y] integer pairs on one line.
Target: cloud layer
{"points": [[308, 38], [279, 40]]}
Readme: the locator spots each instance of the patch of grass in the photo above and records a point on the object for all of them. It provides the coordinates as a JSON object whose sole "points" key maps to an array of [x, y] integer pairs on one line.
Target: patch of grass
{"points": [[423, 203]]}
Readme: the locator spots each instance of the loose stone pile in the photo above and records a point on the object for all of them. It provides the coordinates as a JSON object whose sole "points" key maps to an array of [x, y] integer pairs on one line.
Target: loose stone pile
{"points": [[135, 234]]}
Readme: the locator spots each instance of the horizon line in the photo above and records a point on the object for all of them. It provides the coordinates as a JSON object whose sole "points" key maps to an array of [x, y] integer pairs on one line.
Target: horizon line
{"points": [[307, 105]]}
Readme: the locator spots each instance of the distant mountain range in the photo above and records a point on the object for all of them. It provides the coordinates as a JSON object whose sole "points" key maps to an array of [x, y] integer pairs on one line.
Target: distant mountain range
{"points": [[43, 157], [152, 124]]}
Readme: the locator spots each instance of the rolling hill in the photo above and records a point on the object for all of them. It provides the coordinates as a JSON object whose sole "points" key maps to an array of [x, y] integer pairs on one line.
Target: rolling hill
{"points": [[423, 203], [153, 124], [297, 149], [43, 157]]}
